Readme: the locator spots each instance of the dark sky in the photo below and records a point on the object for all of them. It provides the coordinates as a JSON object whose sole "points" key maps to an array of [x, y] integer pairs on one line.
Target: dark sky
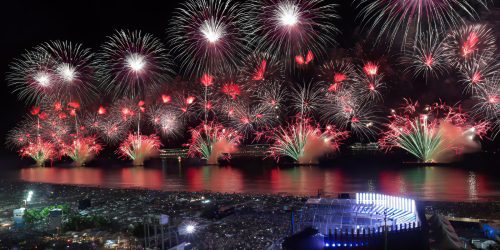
{"points": [[28, 23]]}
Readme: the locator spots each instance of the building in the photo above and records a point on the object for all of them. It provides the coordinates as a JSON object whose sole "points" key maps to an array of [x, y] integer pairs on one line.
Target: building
{"points": [[367, 221], [55, 219], [84, 204], [158, 233], [18, 216]]}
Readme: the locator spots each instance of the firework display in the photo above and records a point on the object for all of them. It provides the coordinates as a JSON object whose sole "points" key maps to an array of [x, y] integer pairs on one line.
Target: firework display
{"points": [[487, 103], [212, 140], [425, 55], [82, 150], [296, 30], [397, 19], [261, 66], [434, 134], [476, 72], [32, 75], [29, 136], [139, 148], [74, 71], [462, 45], [362, 118], [131, 63], [165, 120], [353, 97], [40, 152], [304, 142], [337, 75], [234, 84], [208, 36]]}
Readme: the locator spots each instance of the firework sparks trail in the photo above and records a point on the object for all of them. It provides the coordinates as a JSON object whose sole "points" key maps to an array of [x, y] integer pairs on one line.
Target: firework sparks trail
{"points": [[306, 98], [208, 36], [272, 96], [425, 56], [476, 72], [347, 111], [303, 142], [132, 63], [212, 141], [139, 148], [338, 75], [369, 86], [33, 77], [127, 111], [400, 20], [293, 29], [259, 72], [464, 44], [113, 131], [247, 119], [165, 119], [371, 69], [186, 104], [40, 152], [487, 103], [73, 78], [438, 134], [82, 150]]}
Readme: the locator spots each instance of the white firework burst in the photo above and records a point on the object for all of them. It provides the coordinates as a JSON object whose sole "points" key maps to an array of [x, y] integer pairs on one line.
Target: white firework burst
{"points": [[208, 36], [131, 63]]}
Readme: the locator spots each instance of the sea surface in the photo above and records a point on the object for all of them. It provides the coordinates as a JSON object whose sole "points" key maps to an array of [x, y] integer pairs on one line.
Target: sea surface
{"points": [[433, 183]]}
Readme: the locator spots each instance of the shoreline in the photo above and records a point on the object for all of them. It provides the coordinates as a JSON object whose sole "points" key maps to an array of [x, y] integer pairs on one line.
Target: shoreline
{"points": [[329, 195], [494, 203]]}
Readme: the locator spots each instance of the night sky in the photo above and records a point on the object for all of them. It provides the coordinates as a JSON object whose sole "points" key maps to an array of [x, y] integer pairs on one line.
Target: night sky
{"points": [[29, 23]]}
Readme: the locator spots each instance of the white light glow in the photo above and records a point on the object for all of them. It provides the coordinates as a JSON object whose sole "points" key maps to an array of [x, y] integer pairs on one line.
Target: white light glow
{"points": [[42, 78], [136, 62], [190, 229], [30, 195], [66, 72], [212, 31], [288, 14]]}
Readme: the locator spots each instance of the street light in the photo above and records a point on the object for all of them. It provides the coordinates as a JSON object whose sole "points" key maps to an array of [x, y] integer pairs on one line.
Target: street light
{"points": [[28, 199], [190, 229], [30, 195]]}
